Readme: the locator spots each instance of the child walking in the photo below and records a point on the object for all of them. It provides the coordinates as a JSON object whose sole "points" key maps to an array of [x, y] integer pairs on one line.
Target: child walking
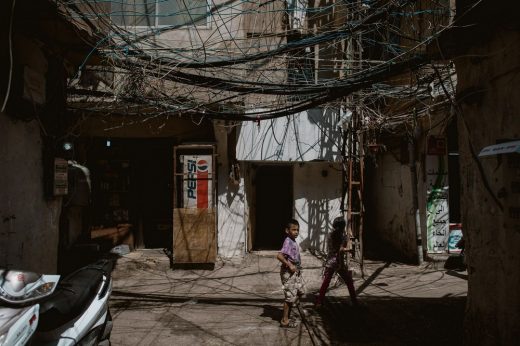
{"points": [[337, 246], [290, 272]]}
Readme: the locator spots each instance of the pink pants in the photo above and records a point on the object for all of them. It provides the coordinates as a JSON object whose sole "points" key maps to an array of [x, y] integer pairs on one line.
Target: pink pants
{"points": [[346, 275]]}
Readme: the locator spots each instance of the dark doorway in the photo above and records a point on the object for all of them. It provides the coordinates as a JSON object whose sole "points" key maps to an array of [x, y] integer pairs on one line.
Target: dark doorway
{"points": [[132, 183], [274, 205], [155, 191]]}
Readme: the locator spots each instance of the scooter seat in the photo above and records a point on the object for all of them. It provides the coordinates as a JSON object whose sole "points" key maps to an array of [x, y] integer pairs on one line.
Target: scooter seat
{"points": [[70, 299]]}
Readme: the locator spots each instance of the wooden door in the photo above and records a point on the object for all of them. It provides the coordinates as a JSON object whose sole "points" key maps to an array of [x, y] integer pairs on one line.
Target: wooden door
{"points": [[194, 214]]}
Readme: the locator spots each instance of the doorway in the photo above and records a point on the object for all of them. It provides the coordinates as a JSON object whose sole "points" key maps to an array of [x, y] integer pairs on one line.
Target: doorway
{"points": [[273, 185], [132, 185]]}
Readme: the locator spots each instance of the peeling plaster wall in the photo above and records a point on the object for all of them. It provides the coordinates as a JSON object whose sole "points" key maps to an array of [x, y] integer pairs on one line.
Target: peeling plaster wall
{"points": [[28, 222], [306, 136], [317, 201], [489, 78], [389, 220], [232, 218], [316, 185], [425, 166], [232, 204]]}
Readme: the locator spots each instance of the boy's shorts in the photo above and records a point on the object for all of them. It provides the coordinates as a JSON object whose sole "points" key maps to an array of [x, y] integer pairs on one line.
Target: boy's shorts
{"points": [[293, 286]]}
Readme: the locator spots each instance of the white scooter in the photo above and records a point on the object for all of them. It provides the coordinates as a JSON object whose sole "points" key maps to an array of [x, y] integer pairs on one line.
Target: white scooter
{"points": [[71, 312], [17, 326], [19, 314]]}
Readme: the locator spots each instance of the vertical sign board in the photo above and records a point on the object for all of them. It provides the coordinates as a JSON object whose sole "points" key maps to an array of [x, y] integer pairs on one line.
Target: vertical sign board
{"points": [[437, 212], [198, 189], [194, 218]]}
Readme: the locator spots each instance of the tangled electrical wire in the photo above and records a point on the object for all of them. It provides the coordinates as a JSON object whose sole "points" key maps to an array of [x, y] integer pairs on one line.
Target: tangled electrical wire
{"points": [[254, 60]]}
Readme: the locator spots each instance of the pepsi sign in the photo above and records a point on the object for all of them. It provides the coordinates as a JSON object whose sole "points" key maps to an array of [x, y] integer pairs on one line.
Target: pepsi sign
{"points": [[197, 181]]}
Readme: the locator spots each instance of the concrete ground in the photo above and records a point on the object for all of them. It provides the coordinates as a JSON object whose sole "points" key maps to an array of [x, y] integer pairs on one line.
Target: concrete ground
{"points": [[240, 303]]}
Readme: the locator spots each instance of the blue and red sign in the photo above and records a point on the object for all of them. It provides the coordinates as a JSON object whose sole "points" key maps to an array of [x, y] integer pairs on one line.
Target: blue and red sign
{"points": [[197, 182], [202, 166]]}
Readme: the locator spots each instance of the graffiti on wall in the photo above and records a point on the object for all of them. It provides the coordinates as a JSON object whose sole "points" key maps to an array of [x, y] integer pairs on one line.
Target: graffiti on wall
{"points": [[437, 211]]}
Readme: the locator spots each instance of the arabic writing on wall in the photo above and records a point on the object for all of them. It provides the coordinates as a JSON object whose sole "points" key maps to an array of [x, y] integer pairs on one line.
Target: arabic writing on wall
{"points": [[437, 210]]}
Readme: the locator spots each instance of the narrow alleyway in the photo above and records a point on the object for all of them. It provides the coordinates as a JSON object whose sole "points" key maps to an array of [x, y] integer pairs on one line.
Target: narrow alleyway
{"points": [[240, 304]]}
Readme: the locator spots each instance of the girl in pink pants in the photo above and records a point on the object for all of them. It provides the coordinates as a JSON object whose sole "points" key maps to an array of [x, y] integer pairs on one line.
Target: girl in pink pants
{"points": [[337, 245]]}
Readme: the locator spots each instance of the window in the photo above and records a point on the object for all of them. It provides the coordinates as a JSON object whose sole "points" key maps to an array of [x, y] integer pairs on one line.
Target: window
{"points": [[160, 12]]}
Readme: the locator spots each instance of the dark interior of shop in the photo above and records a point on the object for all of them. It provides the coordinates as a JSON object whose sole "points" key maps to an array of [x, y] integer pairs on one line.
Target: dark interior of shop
{"points": [[132, 183]]}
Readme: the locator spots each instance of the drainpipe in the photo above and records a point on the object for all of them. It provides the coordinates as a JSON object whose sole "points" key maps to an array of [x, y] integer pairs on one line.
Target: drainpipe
{"points": [[412, 140]]}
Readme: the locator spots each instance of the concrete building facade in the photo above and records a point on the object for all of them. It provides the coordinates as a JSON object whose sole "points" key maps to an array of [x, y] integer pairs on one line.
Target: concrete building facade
{"points": [[34, 68]]}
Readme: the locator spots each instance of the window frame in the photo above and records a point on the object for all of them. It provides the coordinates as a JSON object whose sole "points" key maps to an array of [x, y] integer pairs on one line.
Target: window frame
{"points": [[156, 20]]}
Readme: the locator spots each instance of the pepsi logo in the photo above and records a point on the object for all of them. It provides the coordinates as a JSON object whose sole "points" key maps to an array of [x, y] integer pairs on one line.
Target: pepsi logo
{"points": [[202, 165]]}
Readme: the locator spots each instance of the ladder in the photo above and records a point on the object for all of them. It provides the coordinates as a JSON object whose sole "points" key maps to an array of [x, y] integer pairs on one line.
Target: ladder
{"points": [[354, 182], [353, 156]]}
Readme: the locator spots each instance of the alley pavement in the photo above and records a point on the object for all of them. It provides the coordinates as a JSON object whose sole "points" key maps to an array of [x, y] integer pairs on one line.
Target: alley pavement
{"points": [[240, 303]]}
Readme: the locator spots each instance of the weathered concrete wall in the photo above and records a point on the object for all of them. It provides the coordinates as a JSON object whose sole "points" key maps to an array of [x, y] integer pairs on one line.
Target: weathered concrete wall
{"points": [[224, 35], [225, 22], [389, 217], [316, 190], [391, 228], [232, 217], [317, 201], [75, 219], [232, 204], [488, 95], [28, 222], [433, 186], [306, 136]]}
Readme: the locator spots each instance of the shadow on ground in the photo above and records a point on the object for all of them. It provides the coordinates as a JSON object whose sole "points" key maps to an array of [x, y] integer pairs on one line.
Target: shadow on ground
{"points": [[389, 321], [379, 321]]}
